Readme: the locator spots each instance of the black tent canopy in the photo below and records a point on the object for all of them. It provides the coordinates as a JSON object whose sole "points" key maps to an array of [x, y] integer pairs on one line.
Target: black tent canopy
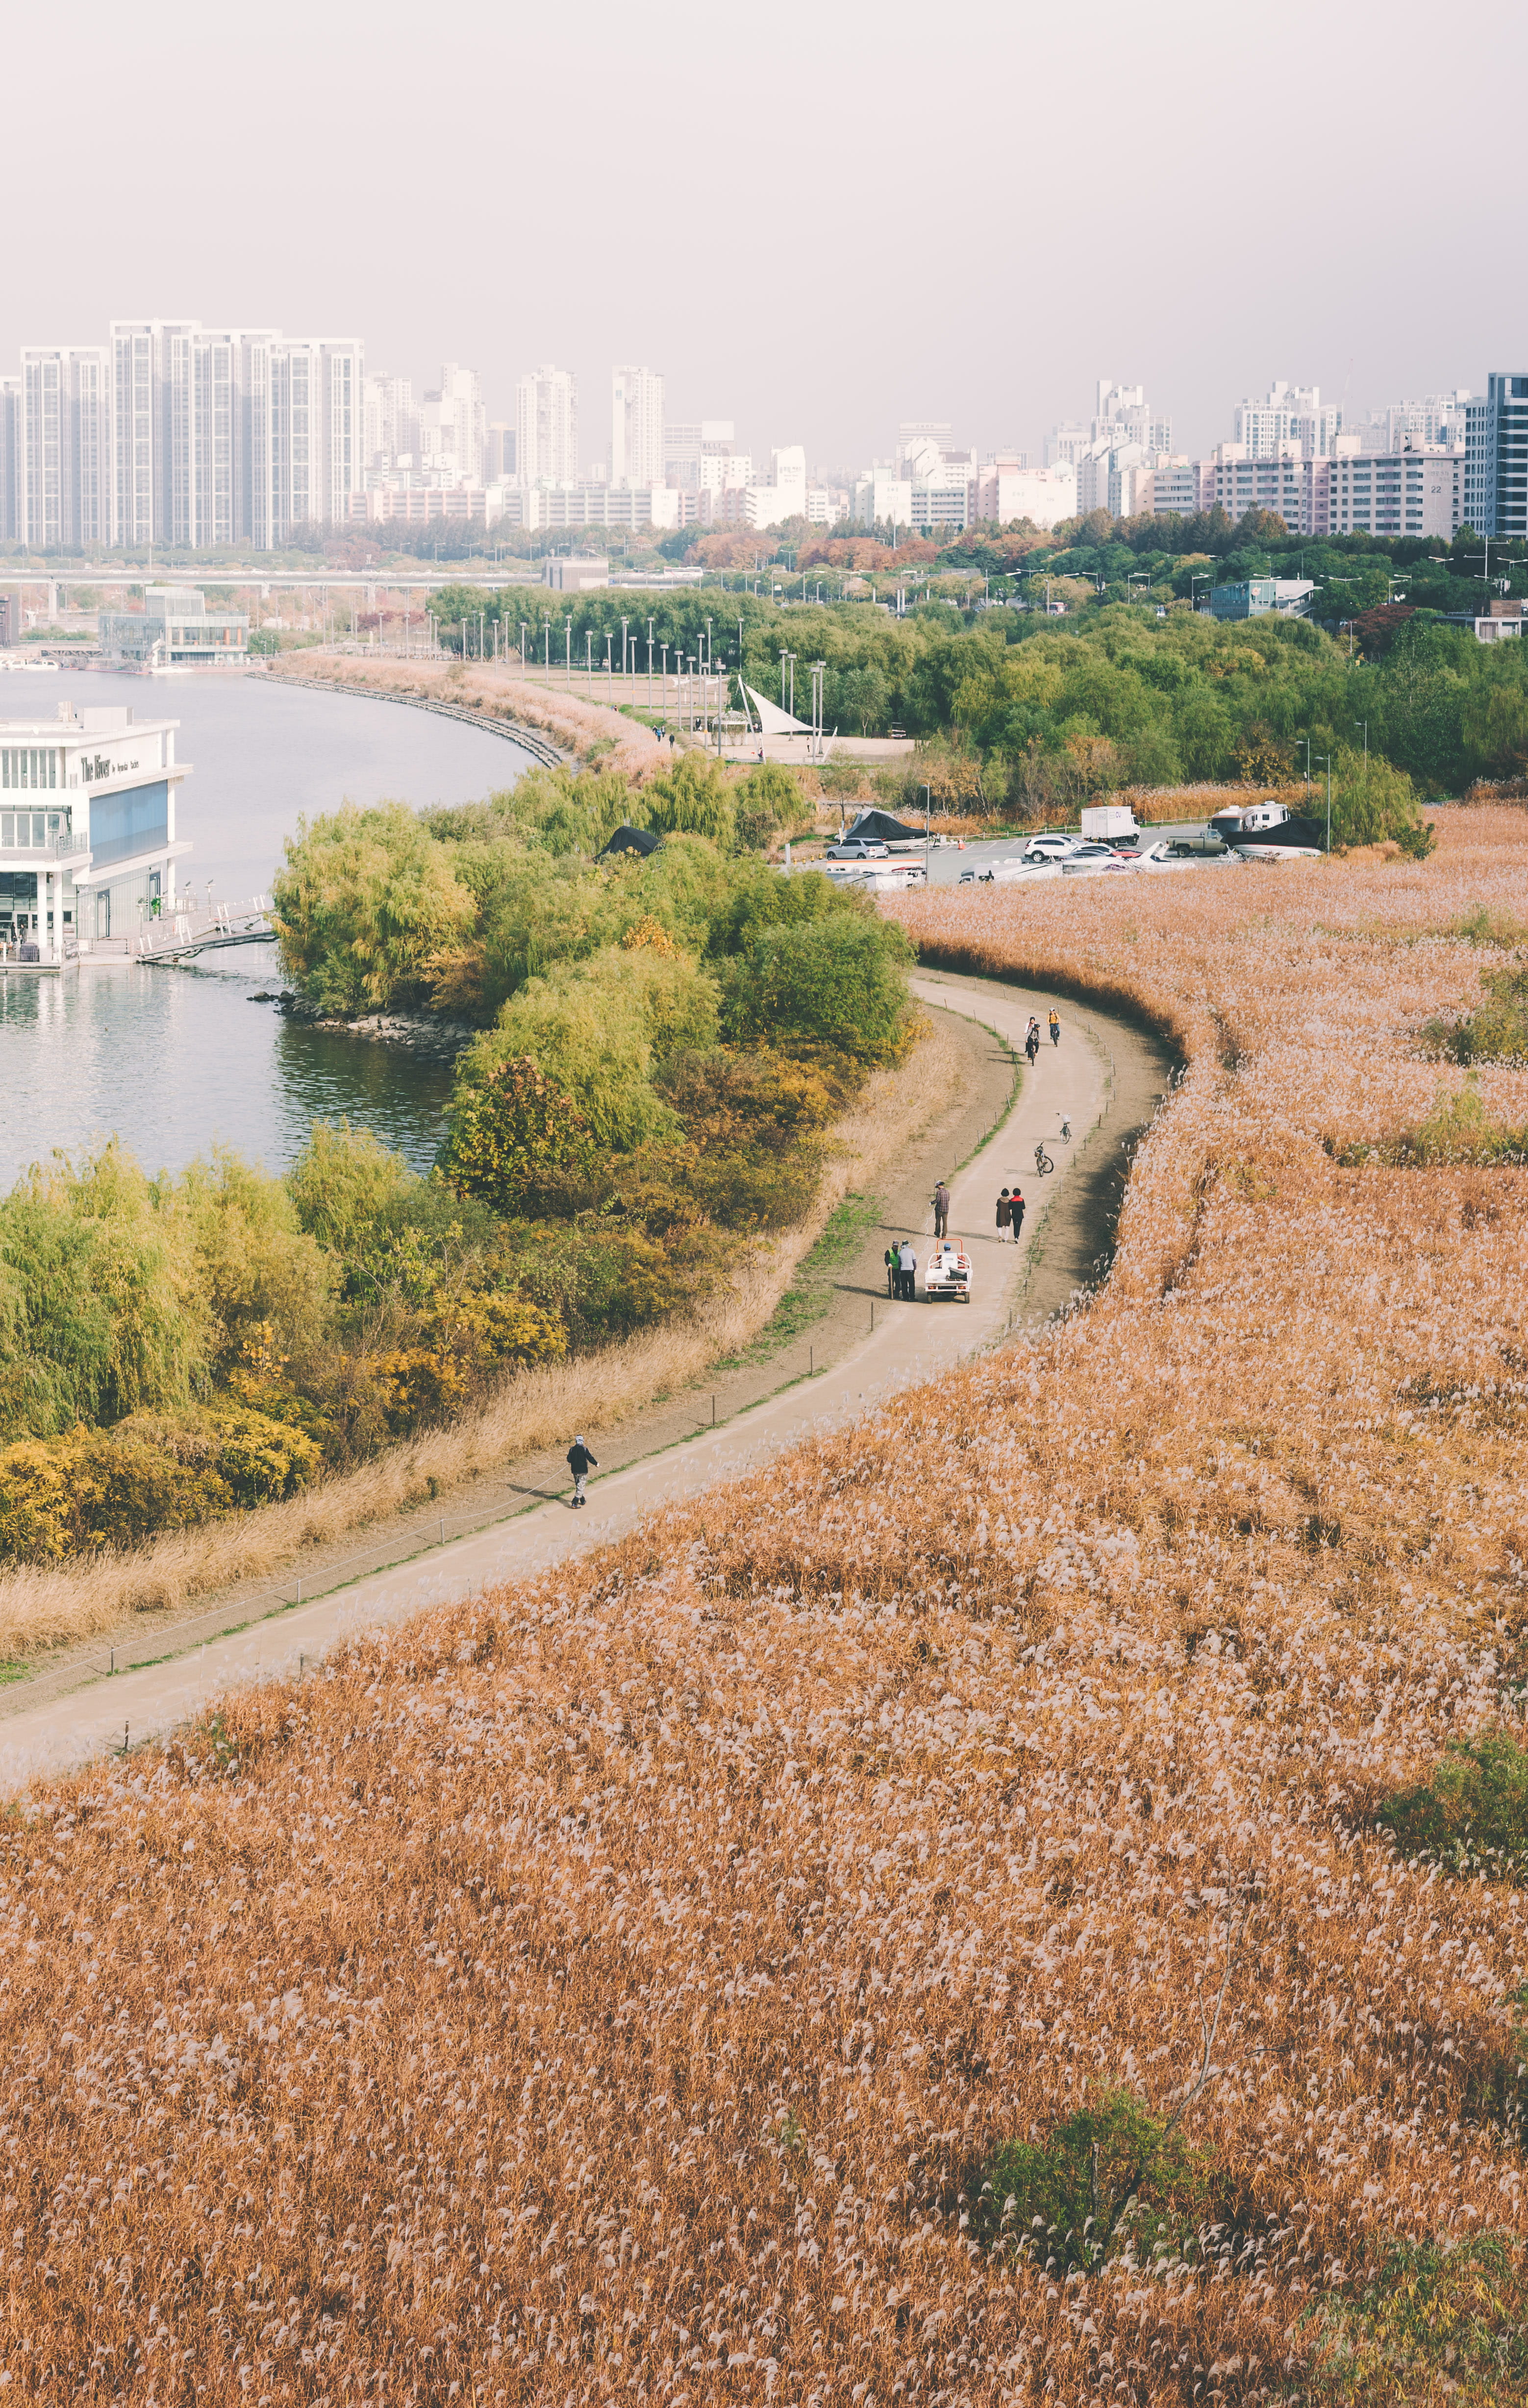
{"points": [[881, 828], [630, 839]]}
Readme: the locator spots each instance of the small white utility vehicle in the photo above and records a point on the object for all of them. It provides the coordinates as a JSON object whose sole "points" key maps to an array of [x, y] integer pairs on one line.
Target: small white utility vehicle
{"points": [[948, 1272]]}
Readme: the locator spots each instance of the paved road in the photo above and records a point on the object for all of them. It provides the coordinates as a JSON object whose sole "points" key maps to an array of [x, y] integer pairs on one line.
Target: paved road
{"points": [[910, 1342]]}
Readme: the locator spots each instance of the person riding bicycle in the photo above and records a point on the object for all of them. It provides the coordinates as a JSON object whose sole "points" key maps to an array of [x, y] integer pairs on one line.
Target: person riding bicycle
{"points": [[1055, 1026]]}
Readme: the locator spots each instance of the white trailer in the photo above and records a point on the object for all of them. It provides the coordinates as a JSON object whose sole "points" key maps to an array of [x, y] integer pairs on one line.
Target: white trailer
{"points": [[1106, 823]]}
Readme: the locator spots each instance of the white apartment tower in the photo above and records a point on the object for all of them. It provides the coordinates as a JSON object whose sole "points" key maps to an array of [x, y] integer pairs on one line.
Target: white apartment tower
{"points": [[452, 425], [546, 427], [1287, 415], [636, 427], [390, 425], [63, 465]]}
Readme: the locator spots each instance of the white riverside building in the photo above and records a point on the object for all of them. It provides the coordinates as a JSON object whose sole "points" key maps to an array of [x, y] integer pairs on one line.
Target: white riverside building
{"points": [[87, 848]]}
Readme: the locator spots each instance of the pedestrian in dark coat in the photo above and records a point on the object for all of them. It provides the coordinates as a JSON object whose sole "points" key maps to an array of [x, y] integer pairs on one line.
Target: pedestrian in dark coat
{"points": [[580, 1463], [1016, 1214], [941, 1210]]}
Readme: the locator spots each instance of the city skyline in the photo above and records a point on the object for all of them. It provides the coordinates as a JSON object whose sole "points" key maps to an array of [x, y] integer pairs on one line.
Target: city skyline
{"points": [[797, 234]]}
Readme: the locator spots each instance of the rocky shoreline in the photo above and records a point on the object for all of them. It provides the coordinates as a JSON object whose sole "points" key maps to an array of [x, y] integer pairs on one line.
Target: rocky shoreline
{"points": [[441, 1041]]}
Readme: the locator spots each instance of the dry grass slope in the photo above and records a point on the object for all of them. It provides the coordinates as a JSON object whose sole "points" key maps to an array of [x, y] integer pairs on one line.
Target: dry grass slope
{"points": [[611, 1990]]}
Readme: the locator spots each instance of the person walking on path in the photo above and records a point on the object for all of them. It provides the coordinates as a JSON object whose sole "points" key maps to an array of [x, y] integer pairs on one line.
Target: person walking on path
{"points": [[893, 1263], [907, 1272], [941, 1210], [1016, 1214], [580, 1463], [1055, 1026], [1004, 1215]]}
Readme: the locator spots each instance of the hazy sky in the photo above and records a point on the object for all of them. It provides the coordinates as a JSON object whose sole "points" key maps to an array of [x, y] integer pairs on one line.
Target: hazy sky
{"points": [[818, 219]]}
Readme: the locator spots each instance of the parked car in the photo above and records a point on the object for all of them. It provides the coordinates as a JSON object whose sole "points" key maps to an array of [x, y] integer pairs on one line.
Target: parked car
{"points": [[859, 848], [1050, 848]]}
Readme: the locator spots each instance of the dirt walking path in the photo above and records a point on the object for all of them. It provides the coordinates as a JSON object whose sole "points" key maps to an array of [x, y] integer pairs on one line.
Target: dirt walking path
{"points": [[1105, 1077]]}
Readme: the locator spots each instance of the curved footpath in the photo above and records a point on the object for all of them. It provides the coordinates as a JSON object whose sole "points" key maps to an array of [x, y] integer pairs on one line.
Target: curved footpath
{"points": [[1105, 1077]]}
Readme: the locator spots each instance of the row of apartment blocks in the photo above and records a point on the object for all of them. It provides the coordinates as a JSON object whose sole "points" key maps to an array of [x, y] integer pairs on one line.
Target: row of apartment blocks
{"points": [[177, 434]]}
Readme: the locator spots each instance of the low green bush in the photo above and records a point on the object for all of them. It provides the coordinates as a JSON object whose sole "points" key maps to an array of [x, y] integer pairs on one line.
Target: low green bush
{"points": [[1111, 2176], [1471, 1814], [1441, 2319]]}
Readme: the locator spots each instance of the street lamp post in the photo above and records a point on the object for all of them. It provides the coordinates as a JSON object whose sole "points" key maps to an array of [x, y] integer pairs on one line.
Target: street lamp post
{"points": [[568, 651], [610, 681], [650, 664], [1325, 758], [1305, 741]]}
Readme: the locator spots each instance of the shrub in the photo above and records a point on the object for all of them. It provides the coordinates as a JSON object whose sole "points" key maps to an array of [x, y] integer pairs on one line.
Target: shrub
{"points": [[1472, 1813], [508, 1132], [1498, 1030], [839, 983], [1111, 2174], [1440, 2319]]}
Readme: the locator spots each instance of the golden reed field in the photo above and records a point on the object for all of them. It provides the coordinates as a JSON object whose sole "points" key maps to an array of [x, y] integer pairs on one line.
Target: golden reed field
{"points": [[621, 1988]]}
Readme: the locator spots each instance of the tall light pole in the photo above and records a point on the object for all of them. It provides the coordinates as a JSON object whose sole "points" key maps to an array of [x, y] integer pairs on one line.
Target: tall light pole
{"points": [[650, 664], [568, 651], [624, 624], [1305, 741], [1326, 759], [928, 813]]}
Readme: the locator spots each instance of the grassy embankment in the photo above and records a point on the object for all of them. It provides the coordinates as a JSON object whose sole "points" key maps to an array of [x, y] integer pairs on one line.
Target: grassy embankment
{"points": [[674, 1080], [741, 1964]]}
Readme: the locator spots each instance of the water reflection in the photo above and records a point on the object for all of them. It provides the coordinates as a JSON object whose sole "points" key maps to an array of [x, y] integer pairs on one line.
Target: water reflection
{"points": [[175, 1060]]}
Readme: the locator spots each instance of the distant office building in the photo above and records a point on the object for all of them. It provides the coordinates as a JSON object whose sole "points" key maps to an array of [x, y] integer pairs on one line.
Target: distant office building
{"points": [[390, 423], [571, 572], [452, 425], [175, 630], [701, 453], [1436, 418], [1286, 414], [881, 498], [499, 452], [1175, 487], [1496, 458], [1418, 492], [636, 427], [1007, 490], [546, 427], [1232, 480], [1290, 596]]}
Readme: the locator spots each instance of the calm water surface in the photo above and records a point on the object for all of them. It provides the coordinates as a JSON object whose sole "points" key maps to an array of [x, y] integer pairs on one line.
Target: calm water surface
{"points": [[175, 1061]]}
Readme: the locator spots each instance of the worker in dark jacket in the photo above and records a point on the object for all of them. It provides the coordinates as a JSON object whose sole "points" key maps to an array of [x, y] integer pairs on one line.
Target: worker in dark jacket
{"points": [[580, 1463]]}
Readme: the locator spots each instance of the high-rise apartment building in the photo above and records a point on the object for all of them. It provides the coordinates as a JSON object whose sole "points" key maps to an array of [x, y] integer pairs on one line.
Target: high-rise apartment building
{"points": [[62, 438], [636, 427], [546, 427], [10, 453], [1287, 415], [452, 425], [1496, 458], [1436, 418], [227, 436], [390, 423]]}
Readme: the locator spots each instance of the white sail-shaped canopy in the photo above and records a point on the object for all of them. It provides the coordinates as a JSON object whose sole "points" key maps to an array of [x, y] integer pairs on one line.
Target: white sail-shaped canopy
{"points": [[772, 721]]}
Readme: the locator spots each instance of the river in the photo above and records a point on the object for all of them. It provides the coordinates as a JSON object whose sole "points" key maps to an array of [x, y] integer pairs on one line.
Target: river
{"points": [[175, 1061]]}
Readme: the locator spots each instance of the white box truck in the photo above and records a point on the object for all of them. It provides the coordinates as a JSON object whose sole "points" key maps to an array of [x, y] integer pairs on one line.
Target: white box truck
{"points": [[1106, 823]]}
